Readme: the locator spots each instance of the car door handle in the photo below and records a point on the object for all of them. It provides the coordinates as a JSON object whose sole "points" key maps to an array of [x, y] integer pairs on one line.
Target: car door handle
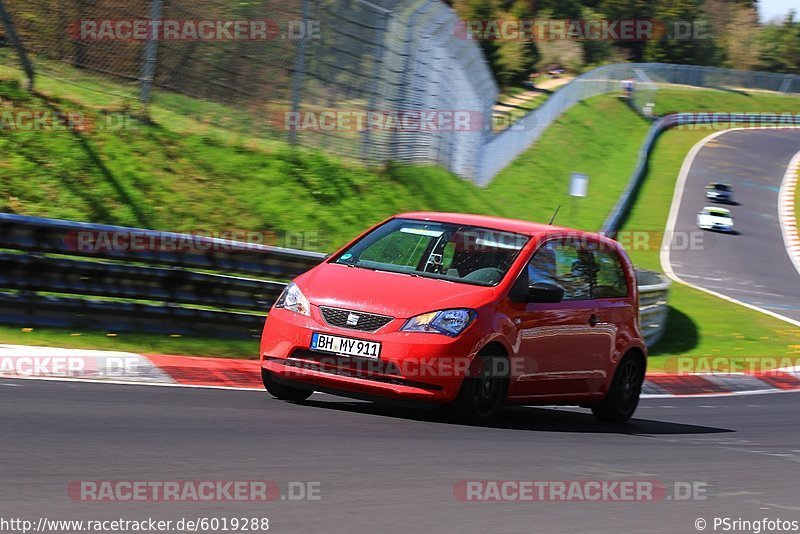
{"points": [[593, 320]]}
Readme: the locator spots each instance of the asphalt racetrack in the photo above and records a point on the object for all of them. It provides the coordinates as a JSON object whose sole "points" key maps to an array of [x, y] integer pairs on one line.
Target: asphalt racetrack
{"points": [[384, 469], [752, 265]]}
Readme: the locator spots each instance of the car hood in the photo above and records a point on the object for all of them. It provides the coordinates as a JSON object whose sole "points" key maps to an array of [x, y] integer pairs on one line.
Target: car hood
{"points": [[398, 295], [711, 219]]}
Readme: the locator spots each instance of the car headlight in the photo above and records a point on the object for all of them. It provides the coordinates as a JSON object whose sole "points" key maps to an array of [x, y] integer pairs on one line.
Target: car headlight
{"points": [[447, 322], [293, 299]]}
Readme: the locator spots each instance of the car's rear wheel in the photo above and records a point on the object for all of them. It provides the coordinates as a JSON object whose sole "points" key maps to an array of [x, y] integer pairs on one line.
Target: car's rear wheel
{"points": [[484, 391], [623, 395], [282, 391]]}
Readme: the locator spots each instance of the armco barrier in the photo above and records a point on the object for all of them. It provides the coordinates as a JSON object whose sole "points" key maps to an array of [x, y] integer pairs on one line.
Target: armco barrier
{"points": [[47, 280], [52, 236], [653, 309], [621, 209], [90, 276]]}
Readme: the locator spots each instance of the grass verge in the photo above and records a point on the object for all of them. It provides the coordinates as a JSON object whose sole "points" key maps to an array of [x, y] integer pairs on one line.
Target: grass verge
{"points": [[186, 172], [180, 175], [669, 100], [129, 342], [183, 177]]}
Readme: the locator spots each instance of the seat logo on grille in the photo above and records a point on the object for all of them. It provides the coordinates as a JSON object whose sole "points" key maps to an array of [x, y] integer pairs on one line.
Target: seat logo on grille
{"points": [[352, 319]]}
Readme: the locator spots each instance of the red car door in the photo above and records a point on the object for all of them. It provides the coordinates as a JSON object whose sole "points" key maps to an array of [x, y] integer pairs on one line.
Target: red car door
{"points": [[563, 347]]}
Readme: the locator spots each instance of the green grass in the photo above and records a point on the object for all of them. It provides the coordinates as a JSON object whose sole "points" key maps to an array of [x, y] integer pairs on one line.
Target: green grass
{"points": [[129, 342], [183, 175], [699, 325], [669, 100], [599, 137], [173, 177], [193, 168]]}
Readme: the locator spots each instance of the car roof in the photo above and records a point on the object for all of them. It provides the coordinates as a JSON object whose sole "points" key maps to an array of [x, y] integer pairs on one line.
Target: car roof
{"points": [[517, 226]]}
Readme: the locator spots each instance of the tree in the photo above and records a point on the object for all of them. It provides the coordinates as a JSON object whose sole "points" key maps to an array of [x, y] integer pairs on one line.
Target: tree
{"points": [[511, 60], [688, 38], [629, 10], [735, 25], [780, 46]]}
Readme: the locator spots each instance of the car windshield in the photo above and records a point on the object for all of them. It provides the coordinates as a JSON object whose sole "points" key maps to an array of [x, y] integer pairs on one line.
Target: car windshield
{"points": [[717, 213], [454, 252]]}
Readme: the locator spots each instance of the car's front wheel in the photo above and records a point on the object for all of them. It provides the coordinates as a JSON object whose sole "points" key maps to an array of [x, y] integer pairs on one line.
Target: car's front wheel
{"points": [[281, 391], [623, 395], [484, 391]]}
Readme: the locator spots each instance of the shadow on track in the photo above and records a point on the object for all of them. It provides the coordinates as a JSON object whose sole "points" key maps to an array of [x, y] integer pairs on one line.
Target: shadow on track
{"points": [[526, 419]]}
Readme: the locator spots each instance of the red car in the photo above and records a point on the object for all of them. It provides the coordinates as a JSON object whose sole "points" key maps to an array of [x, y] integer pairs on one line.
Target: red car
{"points": [[468, 311]]}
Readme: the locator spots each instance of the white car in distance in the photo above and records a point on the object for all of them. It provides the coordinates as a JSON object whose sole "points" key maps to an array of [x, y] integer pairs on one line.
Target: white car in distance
{"points": [[713, 218]]}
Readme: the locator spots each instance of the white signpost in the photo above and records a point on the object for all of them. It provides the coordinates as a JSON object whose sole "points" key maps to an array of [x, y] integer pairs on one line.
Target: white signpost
{"points": [[578, 185], [578, 188]]}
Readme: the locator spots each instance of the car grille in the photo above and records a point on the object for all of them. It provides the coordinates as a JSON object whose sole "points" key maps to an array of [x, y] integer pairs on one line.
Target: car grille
{"points": [[367, 322]]}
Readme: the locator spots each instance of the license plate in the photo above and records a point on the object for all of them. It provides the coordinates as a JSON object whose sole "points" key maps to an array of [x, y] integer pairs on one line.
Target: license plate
{"points": [[345, 345]]}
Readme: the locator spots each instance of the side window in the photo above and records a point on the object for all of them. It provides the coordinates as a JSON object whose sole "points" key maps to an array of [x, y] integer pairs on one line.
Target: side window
{"points": [[563, 265], [611, 281]]}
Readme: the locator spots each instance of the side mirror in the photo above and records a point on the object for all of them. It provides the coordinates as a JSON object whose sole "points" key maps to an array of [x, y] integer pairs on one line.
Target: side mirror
{"points": [[545, 293]]}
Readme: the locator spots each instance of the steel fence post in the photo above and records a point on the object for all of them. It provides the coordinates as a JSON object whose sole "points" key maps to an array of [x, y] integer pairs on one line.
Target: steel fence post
{"points": [[150, 56], [15, 40], [366, 137], [298, 71]]}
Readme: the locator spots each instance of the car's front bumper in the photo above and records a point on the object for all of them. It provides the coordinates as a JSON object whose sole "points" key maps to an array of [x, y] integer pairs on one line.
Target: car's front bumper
{"points": [[715, 227], [412, 366]]}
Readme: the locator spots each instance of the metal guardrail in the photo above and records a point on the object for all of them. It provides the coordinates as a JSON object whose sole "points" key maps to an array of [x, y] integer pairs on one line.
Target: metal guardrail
{"points": [[653, 309], [79, 275], [39, 235], [619, 213], [52, 276]]}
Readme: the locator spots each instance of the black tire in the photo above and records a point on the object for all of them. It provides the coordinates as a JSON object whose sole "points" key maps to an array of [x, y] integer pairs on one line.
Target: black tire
{"points": [[283, 392], [623, 395], [484, 391]]}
